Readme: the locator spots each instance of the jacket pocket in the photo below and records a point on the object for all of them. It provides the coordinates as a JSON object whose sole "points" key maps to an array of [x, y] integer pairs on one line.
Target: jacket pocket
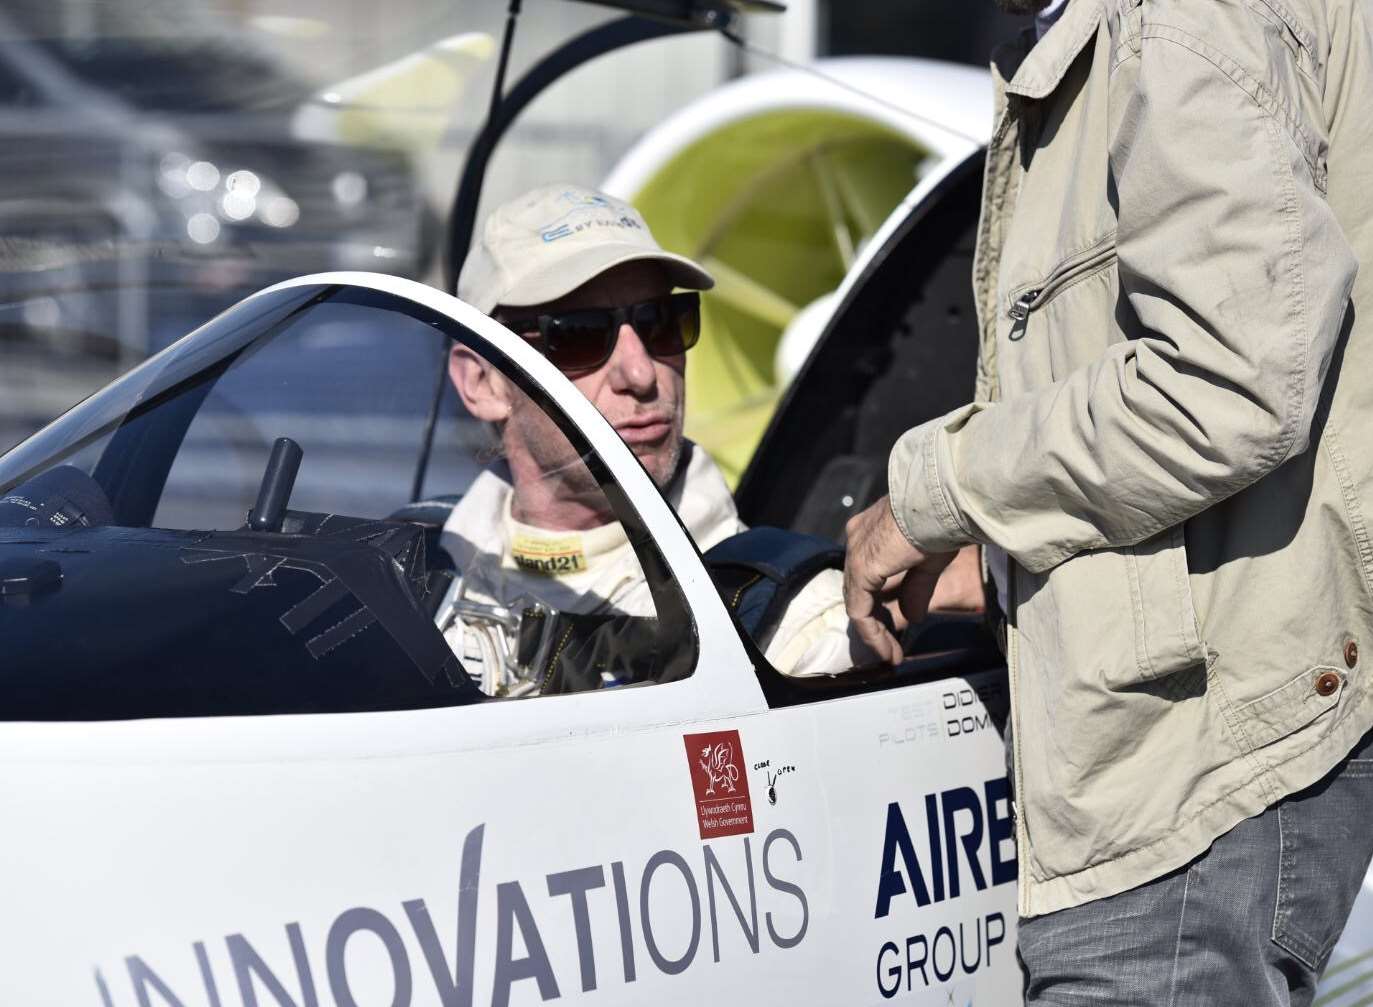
{"points": [[1060, 321], [1114, 618], [1292, 706], [1030, 297], [1166, 634]]}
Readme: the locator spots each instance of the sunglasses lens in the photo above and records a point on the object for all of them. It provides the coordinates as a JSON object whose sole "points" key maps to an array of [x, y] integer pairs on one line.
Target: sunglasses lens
{"points": [[580, 340], [687, 309], [653, 323], [669, 326]]}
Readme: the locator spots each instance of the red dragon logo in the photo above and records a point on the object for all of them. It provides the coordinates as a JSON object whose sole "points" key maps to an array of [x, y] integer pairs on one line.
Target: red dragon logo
{"points": [[718, 762], [719, 784]]}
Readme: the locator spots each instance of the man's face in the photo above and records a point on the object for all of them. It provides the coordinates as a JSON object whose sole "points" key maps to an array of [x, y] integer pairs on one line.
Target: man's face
{"points": [[642, 397]]}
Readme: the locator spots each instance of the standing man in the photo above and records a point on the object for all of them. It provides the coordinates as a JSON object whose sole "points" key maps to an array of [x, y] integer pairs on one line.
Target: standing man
{"points": [[1170, 443]]}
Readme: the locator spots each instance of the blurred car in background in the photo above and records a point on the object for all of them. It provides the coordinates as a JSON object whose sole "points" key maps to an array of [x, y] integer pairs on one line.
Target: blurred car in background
{"points": [[150, 175]]}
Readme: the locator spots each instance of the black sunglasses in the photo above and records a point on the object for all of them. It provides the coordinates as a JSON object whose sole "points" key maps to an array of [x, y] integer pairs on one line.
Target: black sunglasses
{"points": [[584, 339]]}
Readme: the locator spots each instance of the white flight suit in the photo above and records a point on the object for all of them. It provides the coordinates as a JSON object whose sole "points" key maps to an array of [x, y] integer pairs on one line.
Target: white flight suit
{"points": [[504, 562]]}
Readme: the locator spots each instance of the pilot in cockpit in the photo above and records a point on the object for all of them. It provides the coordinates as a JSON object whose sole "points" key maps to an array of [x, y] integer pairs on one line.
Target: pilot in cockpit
{"points": [[579, 274]]}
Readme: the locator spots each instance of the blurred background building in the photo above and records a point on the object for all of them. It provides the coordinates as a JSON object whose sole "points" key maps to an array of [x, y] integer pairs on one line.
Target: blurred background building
{"points": [[161, 159]]}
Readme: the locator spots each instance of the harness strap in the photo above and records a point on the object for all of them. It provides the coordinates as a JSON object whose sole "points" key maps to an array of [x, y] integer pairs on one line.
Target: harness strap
{"points": [[760, 571]]}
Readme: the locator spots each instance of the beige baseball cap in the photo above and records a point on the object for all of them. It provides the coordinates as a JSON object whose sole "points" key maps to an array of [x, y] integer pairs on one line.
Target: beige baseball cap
{"points": [[551, 240]]}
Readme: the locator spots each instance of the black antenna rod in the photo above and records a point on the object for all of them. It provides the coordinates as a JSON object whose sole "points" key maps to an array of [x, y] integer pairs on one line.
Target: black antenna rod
{"points": [[498, 88], [432, 419]]}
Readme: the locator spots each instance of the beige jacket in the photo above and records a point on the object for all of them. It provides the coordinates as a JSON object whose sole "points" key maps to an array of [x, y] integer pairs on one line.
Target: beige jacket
{"points": [[1173, 432]]}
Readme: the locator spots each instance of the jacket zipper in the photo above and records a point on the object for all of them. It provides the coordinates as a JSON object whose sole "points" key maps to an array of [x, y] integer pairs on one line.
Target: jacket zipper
{"points": [[1032, 298], [1022, 836]]}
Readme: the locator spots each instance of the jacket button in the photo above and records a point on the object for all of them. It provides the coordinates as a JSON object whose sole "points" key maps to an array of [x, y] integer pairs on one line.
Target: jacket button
{"points": [[1328, 683], [1351, 653]]}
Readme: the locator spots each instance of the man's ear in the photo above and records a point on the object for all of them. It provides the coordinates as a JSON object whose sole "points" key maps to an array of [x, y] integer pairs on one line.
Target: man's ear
{"points": [[483, 390]]}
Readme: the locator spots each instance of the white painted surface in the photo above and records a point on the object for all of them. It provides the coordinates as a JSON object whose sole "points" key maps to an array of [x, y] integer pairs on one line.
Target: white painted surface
{"points": [[115, 861]]}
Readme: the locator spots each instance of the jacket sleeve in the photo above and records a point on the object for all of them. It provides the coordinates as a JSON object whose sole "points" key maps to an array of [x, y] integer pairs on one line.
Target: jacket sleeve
{"points": [[1234, 280]]}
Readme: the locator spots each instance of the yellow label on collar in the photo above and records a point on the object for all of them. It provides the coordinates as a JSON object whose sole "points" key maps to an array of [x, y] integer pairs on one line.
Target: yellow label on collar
{"points": [[551, 557]]}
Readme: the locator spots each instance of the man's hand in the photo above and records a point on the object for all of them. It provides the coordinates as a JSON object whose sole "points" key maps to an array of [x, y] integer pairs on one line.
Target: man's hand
{"points": [[960, 585], [882, 565]]}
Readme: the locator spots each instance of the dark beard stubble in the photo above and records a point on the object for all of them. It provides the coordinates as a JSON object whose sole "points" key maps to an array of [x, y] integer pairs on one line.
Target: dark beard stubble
{"points": [[1022, 6]]}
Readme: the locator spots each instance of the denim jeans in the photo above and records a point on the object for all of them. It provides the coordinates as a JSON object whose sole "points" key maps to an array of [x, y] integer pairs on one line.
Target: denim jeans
{"points": [[1251, 922]]}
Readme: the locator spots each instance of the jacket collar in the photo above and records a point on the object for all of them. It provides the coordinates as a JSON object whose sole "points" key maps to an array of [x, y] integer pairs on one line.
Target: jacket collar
{"points": [[1048, 60]]}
